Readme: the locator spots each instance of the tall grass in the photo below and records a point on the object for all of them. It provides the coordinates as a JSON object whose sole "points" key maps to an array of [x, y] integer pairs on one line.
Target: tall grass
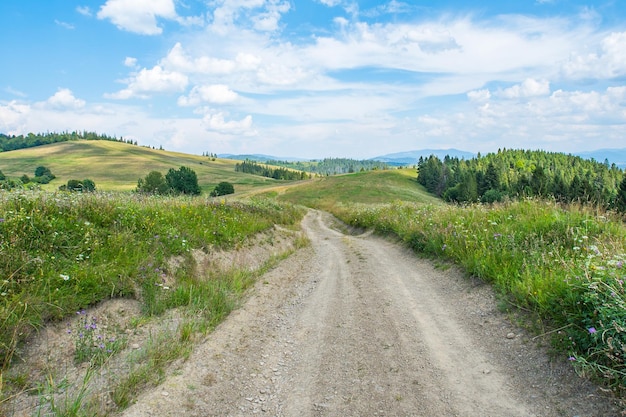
{"points": [[60, 253], [564, 265]]}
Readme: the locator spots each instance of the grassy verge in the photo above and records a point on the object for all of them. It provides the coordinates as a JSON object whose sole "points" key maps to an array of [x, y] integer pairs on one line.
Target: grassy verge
{"points": [[564, 265], [61, 253]]}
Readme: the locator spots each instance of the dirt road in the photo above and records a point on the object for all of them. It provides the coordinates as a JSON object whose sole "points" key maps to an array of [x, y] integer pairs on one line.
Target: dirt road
{"points": [[358, 326]]}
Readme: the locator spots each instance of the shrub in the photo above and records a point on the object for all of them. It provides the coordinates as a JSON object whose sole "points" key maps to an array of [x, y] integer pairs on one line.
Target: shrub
{"points": [[153, 183], [223, 188], [183, 181]]}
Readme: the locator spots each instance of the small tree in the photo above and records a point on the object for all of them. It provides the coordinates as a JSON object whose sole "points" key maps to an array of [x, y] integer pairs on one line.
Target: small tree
{"points": [[43, 175], [223, 188], [183, 181], [154, 183], [89, 186], [621, 196]]}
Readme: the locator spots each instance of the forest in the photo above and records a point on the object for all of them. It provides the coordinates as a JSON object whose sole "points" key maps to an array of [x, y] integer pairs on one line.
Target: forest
{"points": [[524, 173], [332, 166], [251, 167], [13, 142]]}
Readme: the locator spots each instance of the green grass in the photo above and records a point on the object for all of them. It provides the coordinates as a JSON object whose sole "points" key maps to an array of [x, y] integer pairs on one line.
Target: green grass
{"points": [[372, 187], [60, 253], [116, 166], [565, 265]]}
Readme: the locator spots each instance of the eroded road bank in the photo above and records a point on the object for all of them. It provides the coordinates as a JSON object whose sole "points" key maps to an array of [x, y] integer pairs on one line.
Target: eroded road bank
{"points": [[358, 326]]}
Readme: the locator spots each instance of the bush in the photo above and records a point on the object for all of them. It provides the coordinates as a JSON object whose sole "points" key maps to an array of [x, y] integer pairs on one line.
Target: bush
{"points": [[85, 185], [183, 181], [154, 183], [223, 188]]}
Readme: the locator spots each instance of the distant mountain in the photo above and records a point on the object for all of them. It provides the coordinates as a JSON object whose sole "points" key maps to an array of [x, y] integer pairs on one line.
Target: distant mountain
{"points": [[412, 157], [614, 156], [259, 158]]}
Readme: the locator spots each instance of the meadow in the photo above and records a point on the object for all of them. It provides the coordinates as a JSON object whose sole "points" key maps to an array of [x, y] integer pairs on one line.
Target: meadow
{"points": [[62, 253], [117, 166], [562, 268], [558, 268]]}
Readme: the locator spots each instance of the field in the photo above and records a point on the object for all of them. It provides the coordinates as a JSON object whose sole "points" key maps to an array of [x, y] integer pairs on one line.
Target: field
{"points": [[117, 166], [559, 269]]}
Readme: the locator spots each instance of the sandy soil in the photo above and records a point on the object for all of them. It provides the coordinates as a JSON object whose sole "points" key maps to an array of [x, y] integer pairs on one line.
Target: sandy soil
{"points": [[358, 326]]}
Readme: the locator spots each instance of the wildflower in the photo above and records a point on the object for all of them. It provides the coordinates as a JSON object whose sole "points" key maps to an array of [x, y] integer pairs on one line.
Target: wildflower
{"points": [[65, 277], [497, 235], [571, 358], [444, 247], [592, 330], [1, 220]]}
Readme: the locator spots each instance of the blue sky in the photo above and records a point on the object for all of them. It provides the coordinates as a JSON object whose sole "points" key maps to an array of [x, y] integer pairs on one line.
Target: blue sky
{"points": [[318, 78]]}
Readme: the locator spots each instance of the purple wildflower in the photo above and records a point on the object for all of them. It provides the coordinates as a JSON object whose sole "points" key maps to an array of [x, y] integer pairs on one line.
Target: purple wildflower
{"points": [[571, 358], [592, 330]]}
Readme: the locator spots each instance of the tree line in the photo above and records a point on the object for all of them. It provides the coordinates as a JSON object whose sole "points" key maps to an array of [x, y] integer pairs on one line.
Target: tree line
{"points": [[251, 167], [181, 181], [332, 166], [523, 173], [13, 142]]}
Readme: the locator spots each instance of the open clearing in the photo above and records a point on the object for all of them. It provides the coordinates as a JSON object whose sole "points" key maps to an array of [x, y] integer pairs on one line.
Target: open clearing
{"points": [[358, 326]]}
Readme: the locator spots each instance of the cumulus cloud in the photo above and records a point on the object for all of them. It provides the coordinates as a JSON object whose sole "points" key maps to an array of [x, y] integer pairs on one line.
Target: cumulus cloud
{"points": [[12, 116], [529, 88], [64, 99], [139, 16], [216, 94], [264, 15], [177, 59], [608, 60], [217, 122], [155, 80], [479, 95]]}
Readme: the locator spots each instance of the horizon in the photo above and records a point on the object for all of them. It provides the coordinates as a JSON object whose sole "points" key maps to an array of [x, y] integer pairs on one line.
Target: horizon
{"points": [[319, 77]]}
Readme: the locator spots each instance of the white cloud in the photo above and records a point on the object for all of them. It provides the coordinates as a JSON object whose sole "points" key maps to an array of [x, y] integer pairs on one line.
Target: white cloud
{"points": [[233, 15], [216, 121], [64, 99], [64, 24], [606, 60], [529, 88], [130, 62], [330, 3], [479, 95], [216, 94], [139, 16], [177, 59], [155, 80], [84, 10], [13, 116]]}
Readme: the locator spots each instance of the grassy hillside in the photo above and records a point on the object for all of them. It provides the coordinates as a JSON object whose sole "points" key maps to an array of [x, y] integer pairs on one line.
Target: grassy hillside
{"points": [[118, 166], [371, 187]]}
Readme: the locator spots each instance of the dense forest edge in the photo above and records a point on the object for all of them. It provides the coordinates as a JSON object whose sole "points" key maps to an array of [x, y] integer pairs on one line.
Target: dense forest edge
{"points": [[517, 174], [31, 140]]}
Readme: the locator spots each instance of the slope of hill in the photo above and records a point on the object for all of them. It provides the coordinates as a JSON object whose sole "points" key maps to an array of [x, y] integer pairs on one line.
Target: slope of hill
{"points": [[370, 187], [118, 166]]}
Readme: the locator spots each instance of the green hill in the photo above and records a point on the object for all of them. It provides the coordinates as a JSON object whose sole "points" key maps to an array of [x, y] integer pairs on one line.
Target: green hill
{"points": [[370, 187], [116, 166]]}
